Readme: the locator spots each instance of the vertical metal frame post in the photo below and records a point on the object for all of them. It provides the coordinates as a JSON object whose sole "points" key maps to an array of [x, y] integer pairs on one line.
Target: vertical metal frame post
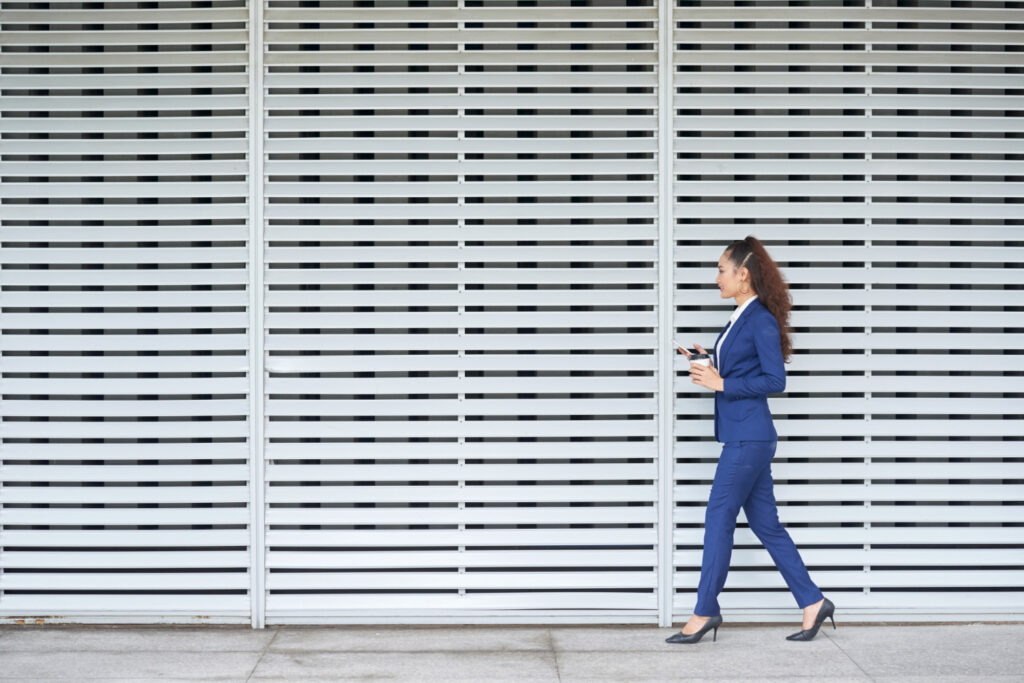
{"points": [[257, 479], [666, 374]]}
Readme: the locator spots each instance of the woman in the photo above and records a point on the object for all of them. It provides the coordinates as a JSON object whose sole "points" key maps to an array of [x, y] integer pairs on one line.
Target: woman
{"points": [[748, 366]]}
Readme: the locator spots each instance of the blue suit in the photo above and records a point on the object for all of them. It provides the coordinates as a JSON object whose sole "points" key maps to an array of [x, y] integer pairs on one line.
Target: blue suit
{"points": [[751, 367]]}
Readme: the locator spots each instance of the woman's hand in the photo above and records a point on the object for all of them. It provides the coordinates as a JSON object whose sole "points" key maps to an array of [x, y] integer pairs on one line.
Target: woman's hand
{"points": [[705, 375]]}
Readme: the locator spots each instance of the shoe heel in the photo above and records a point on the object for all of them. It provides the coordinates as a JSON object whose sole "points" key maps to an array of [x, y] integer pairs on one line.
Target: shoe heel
{"points": [[833, 620], [714, 636]]}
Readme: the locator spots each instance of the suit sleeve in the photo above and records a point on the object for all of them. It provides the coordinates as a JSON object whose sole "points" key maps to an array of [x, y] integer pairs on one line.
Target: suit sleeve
{"points": [[772, 378]]}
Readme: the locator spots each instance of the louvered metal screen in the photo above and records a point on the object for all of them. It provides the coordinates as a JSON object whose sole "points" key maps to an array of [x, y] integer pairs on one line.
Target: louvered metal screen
{"points": [[125, 310], [461, 227], [361, 310], [877, 152]]}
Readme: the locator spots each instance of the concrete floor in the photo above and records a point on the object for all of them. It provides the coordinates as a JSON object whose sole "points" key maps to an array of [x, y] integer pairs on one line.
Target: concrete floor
{"points": [[854, 652]]}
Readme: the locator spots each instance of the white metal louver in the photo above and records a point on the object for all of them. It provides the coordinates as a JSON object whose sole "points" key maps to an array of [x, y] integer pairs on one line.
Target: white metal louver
{"points": [[876, 149], [460, 311], [396, 346], [123, 182]]}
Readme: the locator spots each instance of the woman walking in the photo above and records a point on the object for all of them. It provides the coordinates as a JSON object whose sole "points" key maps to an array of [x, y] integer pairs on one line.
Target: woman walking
{"points": [[748, 366]]}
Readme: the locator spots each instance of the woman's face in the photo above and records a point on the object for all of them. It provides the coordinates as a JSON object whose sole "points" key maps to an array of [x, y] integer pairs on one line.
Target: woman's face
{"points": [[728, 279]]}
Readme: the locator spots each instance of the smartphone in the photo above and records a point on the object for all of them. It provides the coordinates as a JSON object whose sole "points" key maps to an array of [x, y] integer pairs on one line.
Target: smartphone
{"points": [[678, 345]]}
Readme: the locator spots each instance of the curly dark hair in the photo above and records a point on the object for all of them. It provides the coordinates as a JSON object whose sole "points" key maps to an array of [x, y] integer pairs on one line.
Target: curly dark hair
{"points": [[768, 282]]}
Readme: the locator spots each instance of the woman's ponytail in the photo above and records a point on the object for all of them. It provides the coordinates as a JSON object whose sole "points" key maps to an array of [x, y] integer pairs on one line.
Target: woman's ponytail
{"points": [[768, 282]]}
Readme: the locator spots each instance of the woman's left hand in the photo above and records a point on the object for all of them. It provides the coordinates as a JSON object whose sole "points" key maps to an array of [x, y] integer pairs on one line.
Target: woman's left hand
{"points": [[706, 376]]}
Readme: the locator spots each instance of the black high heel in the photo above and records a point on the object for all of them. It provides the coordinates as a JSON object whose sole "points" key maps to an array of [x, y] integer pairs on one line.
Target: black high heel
{"points": [[827, 609], [712, 624]]}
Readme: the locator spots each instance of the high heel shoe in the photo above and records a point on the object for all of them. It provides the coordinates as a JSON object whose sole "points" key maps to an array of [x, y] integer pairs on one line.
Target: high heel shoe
{"points": [[827, 609], [712, 624]]}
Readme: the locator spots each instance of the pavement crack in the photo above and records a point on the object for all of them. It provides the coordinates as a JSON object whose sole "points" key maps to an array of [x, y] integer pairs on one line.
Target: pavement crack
{"points": [[554, 654], [855, 662], [262, 655]]}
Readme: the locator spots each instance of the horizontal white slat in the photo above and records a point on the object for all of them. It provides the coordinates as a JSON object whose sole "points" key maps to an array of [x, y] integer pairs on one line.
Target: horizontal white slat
{"points": [[159, 37], [451, 101], [184, 605], [129, 255], [469, 385], [917, 578], [123, 342], [876, 513], [124, 168], [124, 124], [452, 275], [450, 429], [447, 79], [65, 146], [974, 15], [298, 124], [110, 321], [560, 362], [79, 60], [384, 14], [502, 35], [845, 36], [489, 472], [124, 473], [877, 492], [824, 557], [125, 494], [858, 123], [190, 15], [513, 406], [491, 254], [849, 79], [281, 605], [103, 451], [177, 233], [122, 581], [168, 408], [124, 276], [844, 101], [224, 429], [594, 210], [879, 55], [140, 540], [473, 558], [130, 559], [547, 515], [782, 405], [599, 56], [928, 603], [86, 103], [121, 299], [283, 231], [469, 494], [453, 297], [278, 580], [782, 471], [493, 450], [234, 515], [504, 167], [285, 144], [611, 188]]}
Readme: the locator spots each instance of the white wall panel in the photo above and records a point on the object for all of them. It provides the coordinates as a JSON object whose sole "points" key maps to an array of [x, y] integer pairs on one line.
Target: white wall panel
{"points": [[874, 149], [396, 347], [461, 310], [124, 186]]}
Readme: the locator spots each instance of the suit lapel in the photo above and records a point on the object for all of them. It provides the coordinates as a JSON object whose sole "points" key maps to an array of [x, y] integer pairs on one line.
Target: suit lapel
{"points": [[734, 335]]}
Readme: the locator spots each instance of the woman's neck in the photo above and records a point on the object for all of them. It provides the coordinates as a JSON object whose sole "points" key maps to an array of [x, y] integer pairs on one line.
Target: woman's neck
{"points": [[743, 298]]}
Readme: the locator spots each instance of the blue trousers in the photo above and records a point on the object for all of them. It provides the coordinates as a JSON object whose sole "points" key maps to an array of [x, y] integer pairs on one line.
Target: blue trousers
{"points": [[744, 479]]}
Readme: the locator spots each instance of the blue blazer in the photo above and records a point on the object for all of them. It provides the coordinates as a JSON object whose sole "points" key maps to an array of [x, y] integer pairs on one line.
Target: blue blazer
{"points": [[751, 367]]}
